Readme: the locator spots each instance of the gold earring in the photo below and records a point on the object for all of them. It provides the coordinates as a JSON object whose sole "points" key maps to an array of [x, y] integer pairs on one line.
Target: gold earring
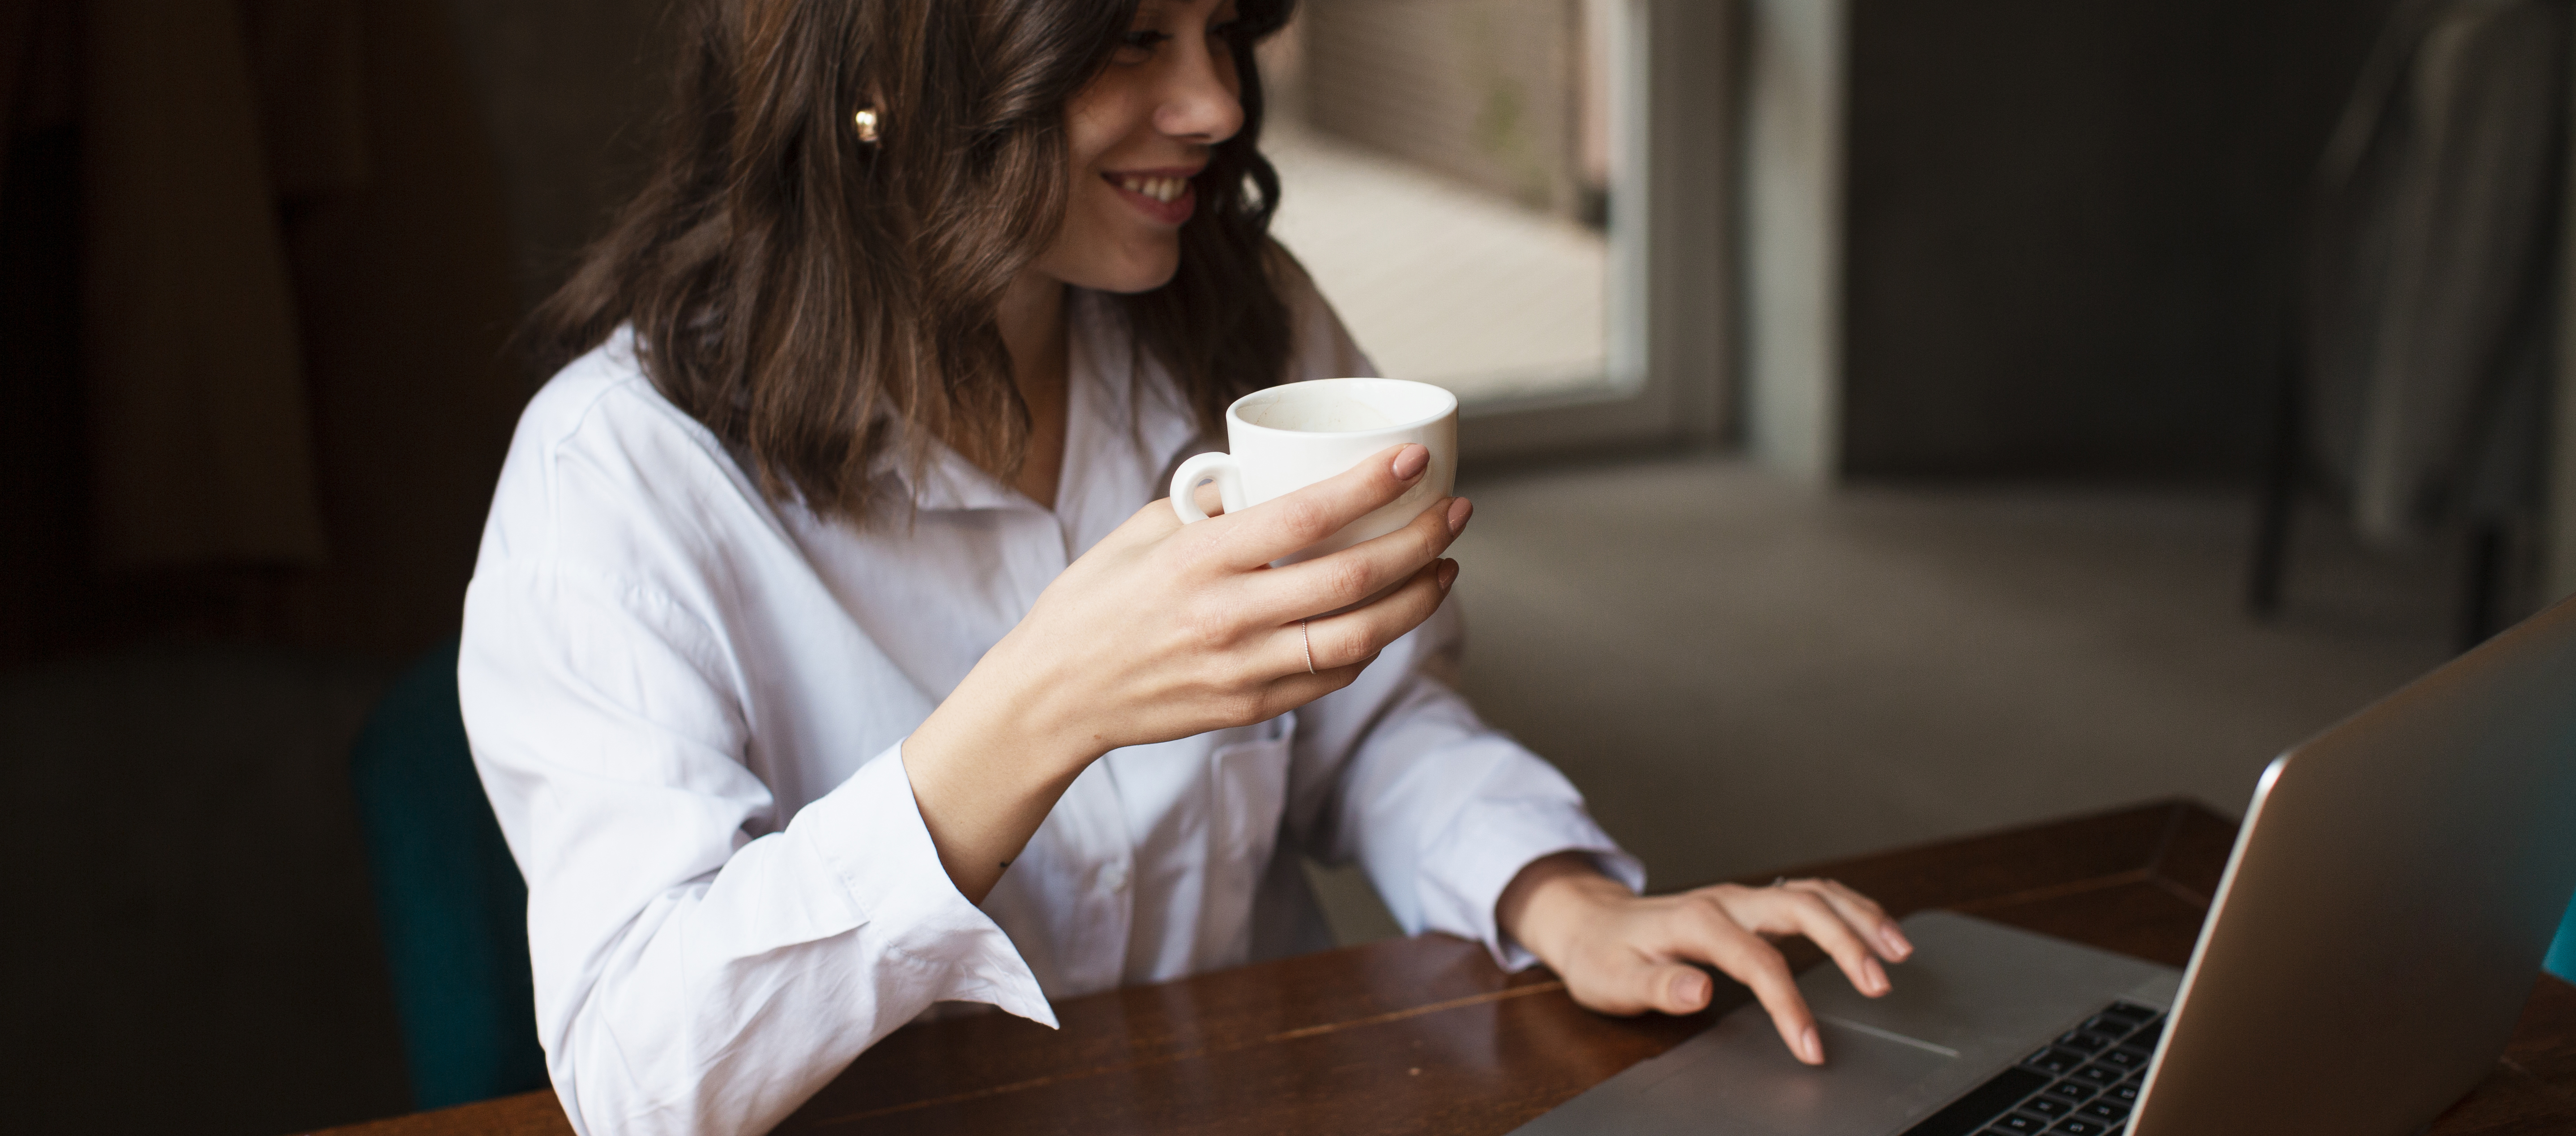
{"points": [[867, 124]]}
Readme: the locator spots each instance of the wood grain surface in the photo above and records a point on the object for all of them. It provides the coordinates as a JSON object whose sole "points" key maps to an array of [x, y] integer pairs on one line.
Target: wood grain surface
{"points": [[1427, 1036]]}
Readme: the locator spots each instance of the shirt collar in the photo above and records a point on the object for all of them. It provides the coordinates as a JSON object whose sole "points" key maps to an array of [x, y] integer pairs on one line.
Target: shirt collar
{"points": [[1135, 407], [1118, 396]]}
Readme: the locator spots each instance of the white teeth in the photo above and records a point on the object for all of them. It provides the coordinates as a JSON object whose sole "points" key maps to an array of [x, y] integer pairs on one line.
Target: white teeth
{"points": [[1160, 189]]}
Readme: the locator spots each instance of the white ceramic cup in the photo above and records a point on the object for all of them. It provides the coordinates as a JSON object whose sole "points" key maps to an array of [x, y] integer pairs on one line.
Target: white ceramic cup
{"points": [[1288, 437]]}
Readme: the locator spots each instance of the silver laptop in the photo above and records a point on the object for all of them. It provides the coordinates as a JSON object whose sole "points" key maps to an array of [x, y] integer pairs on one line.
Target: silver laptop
{"points": [[2369, 950]]}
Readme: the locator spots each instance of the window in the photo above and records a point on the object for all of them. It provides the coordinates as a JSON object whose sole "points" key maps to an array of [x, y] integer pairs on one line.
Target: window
{"points": [[1473, 184]]}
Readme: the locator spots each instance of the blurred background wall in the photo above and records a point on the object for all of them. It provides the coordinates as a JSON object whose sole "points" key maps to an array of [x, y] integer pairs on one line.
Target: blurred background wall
{"points": [[2071, 227], [260, 263], [264, 261], [2055, 239]]}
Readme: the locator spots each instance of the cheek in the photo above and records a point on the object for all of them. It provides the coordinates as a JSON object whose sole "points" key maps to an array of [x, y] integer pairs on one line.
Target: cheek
{"points": [[1095, 119], [1089, 205], [1101, 247], [1103, 243]]}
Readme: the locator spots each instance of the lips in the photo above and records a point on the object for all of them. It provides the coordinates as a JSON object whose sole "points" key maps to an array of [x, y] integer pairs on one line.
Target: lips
{"points": [[1161, 195]]}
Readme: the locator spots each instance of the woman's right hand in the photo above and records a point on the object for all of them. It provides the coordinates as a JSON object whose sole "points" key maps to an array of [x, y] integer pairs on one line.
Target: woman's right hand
{"points": [[1165, 630]]}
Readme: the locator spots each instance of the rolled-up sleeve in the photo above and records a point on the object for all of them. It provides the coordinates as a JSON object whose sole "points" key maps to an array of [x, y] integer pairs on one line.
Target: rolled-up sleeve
{"points": [[1440, 809], [699, 966]]}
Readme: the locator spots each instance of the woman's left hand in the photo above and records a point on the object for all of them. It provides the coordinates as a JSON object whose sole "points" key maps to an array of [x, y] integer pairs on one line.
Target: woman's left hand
{"points": [[1621, 953]]}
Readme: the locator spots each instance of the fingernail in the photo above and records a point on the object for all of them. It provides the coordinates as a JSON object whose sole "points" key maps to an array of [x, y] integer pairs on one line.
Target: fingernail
{"points": [[1877, 977], [1411, 461], [1448, 574], [1897, 946], [1811, 1047], [1460, 509], [1690, 992]]}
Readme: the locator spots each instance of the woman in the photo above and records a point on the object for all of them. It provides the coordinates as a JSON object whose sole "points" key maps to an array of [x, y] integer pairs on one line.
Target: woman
{"points": [[828, 656]]}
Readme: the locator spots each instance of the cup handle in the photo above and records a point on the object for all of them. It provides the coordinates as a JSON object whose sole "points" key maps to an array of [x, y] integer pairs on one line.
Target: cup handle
{"points": [[1198, 470]]}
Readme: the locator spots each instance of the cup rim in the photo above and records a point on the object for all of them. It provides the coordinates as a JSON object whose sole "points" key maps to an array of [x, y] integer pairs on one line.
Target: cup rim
{"points": [[1234, 410]]}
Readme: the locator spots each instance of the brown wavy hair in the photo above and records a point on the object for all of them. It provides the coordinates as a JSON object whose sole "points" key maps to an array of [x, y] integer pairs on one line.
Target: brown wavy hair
{"points": [[811, 297]]}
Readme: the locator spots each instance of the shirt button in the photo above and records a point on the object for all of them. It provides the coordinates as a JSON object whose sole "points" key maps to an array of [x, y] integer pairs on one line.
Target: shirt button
{"points": [[1113, 877]]}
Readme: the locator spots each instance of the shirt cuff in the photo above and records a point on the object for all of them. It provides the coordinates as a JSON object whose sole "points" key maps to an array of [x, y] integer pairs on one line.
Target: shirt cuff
{"points": [[869, 830], [1464, 875]]}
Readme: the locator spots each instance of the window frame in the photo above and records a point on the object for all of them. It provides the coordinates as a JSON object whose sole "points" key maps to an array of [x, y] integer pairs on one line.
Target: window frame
{"points": [[1671, 291]]}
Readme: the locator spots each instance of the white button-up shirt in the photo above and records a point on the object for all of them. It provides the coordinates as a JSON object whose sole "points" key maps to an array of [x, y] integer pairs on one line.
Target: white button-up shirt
{"points": [[688, 701]]}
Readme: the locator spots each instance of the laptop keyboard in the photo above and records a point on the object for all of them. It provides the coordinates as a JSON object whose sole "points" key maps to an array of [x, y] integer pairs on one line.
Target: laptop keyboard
{"points": [[2082, 1084]]}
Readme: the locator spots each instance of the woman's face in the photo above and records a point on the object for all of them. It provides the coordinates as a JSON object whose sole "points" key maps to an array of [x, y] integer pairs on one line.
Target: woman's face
{"points": [[1136, 136]]}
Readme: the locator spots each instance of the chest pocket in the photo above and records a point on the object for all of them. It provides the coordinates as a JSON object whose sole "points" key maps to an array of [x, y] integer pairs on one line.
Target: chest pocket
{"points": [[1247, 787], [1248, 790]]}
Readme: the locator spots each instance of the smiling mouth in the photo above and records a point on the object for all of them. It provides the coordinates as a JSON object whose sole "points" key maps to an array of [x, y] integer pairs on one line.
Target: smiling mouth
{"points": [[1163, 196], [1162, 189]]}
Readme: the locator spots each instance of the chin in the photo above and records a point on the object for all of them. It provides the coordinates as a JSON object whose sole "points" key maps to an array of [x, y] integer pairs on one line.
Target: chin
{"points": [[1140, 261], [1129, 279], [1160, 276], [1127, 264], [1147, 269]]}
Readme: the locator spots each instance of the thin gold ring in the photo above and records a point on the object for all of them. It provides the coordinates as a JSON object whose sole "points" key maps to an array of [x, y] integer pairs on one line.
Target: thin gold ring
{"points": [[1304, 626]]}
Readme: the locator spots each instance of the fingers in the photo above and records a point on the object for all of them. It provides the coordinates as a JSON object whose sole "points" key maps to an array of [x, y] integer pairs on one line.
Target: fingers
{"points": [[1843, 922], [1306, 645], [1627, 982], [1634, 955], [1295, 690], [1275, 528], [1209, 498], [1354, 574], [1676, 989], [1803, 911], [1358, 635], [1744, 957], [1864, 915]]}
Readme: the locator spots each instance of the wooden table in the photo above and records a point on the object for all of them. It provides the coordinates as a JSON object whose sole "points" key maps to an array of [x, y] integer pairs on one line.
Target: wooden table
{"points": [[1426, 1036]]}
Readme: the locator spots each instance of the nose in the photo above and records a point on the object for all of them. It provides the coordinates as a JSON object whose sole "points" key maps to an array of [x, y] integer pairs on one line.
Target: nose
{"points": [[1201, 101]]}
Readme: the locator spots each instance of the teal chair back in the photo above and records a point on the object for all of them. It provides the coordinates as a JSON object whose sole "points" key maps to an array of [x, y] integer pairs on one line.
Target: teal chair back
{"points": [[452, 906], [2562, 953]]}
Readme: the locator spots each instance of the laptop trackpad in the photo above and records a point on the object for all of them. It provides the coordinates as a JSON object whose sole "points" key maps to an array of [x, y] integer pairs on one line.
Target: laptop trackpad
{"points": [[1741, 1079]]}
